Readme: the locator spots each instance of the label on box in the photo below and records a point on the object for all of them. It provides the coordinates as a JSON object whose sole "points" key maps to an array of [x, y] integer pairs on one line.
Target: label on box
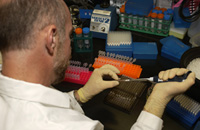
{"points": [[100, 23]]}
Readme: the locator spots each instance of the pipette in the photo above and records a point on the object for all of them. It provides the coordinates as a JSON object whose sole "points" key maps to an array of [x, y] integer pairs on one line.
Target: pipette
{"points": [[156, 79]]}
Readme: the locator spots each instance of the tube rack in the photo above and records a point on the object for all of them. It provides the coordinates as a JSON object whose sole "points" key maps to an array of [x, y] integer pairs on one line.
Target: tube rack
{"points": [[144, 25], [123, 63], [77, 74]]}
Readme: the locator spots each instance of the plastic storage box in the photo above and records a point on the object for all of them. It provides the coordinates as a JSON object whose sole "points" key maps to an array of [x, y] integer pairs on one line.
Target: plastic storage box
{"points": [[125, 50], [145, 50], [178, 21], [173, 48], [138, 7], [119, 42]]}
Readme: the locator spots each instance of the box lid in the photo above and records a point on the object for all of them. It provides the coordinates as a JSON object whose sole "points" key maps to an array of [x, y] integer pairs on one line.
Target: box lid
{"points": [[145, 48]]}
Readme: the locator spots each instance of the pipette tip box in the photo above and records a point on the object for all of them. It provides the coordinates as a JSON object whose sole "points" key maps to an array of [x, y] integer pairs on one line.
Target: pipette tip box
{"points": [[184, 109], [173, 48], [145, 50], [126, 95], [119, 42]]}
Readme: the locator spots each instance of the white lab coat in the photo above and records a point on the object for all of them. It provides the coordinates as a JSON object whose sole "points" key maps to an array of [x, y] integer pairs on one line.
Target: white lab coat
{"points": [[28, 106]]}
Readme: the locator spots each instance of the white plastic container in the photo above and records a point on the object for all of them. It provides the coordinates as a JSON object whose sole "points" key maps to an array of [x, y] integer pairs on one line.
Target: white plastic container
{"points": [[194, 28], [195, 40]]}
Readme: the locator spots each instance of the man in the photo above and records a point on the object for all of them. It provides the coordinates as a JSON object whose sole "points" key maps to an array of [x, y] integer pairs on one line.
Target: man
{"points": [[35, 46]]}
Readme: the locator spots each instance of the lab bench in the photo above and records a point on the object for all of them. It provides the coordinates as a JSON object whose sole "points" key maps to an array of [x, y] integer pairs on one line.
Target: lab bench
{"points": [[111, 117]]}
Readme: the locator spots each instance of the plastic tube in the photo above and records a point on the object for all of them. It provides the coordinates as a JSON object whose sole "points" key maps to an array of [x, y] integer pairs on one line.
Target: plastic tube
{"points": [[122, 15], [160, 22], [78, 32], [86, 32], [153, 22], [166, 21]]}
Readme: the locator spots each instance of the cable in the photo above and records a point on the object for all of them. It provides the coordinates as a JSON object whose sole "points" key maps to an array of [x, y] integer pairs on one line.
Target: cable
{"points": [[193, 17]]}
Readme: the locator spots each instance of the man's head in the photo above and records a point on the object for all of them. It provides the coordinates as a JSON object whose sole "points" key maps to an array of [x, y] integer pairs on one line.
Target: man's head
{"points": [[23, 20]]}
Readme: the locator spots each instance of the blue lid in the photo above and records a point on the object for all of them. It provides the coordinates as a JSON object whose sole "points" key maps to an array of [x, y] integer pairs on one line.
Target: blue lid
{"points": [[170, 11], [167, 17], [86, 30], [159, 12], [165, 13], [154, 11]]}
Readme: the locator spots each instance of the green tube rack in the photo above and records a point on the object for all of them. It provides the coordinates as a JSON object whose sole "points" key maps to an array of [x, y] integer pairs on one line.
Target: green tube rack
{"points": [[82, 38], [144, 24]]}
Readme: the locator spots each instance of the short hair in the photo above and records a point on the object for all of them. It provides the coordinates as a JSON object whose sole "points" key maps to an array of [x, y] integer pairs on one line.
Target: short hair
{"points": [[20, 20]]}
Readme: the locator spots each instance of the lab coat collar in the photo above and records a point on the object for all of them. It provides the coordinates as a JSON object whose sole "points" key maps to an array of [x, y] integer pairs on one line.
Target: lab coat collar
{"points": [[32, 92]]}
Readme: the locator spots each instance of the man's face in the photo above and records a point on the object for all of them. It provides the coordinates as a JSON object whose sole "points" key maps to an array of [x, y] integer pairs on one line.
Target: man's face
{"points": [[63, 52]]}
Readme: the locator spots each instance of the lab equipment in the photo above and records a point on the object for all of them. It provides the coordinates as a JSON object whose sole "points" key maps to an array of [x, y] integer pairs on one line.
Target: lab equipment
{"points": [[83, 41], [86, 32], [74, 11], [119, 42], [157, 80], [85, 13], [135, 20], [145, 50], [78, 32], [123, 15], [149, 23], [178, 21], [164, 3], [146, 23], [194, 40], [177, 32], [166, 25], [130, 20], [194, 28], [140, 22], [191, 60], [126, 95], [77, 74], [153, 22], [173, 48], [138, 7], [160, 22], [123, 63], [103, 20], [184, 109]]}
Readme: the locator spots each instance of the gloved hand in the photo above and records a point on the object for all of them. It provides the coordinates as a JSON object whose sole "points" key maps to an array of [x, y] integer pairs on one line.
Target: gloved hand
{"points": [[96, 84], [163, 92]]}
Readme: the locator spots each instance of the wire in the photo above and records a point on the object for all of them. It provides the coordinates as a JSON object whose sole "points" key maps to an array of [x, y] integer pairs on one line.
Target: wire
{"points": [[193, 17]]}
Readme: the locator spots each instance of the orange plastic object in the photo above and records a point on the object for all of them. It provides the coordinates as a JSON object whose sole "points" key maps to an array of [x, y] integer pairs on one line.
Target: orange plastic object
{"points": [[157, 8], [163, 9], [126, 68], [160, 16], [153, 15], [78, 30], [122, 10]]}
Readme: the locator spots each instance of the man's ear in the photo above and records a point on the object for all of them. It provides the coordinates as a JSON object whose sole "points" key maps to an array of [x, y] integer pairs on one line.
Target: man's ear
{"points": [[51, 42]]}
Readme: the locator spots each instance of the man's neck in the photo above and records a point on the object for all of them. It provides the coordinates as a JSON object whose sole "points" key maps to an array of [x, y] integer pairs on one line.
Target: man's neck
{"points": [[26, 67]]}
